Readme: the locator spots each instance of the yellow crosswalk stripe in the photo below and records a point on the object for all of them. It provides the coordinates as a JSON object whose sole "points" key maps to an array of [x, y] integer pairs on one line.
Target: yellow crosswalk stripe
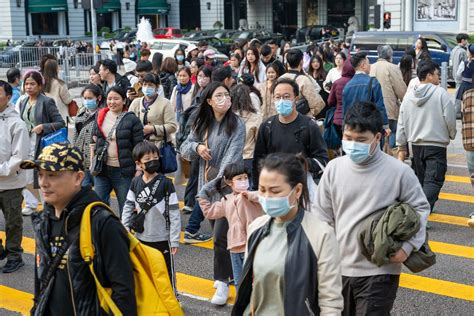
{"points": [[456, 197], [448, 219], [452, 249], [15, 300], [458, 179]]}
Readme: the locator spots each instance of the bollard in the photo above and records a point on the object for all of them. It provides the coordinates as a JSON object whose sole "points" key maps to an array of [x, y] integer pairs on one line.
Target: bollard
{"points": [[66, 66], [20, 66], [77, 66], [444, 75]]}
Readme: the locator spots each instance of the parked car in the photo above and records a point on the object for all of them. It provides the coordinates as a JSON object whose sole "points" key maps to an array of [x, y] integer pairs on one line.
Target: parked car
{"points": [[126, 36], [223, 34], [167, 32], [261, 35], [315, 33], [195, 34], [168, 47], [220, 45], [440, 45]]}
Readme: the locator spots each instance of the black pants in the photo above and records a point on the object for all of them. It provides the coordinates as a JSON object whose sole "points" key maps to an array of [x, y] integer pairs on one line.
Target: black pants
{"points": [[430, 165], [10, 203], [372, 295], [222, 262], [192, 186], [165, 248]]}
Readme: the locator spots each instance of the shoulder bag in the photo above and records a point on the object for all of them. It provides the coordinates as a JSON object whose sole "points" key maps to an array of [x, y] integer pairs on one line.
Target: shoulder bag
{"points": [[167, 155]]}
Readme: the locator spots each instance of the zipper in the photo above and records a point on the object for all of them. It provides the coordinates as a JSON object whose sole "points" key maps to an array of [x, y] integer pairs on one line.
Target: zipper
{"points": [[68, 274], [306, 301]]}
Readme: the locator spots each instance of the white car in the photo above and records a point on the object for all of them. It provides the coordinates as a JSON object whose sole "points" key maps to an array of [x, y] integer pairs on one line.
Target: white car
{"points": [[168, 47]]}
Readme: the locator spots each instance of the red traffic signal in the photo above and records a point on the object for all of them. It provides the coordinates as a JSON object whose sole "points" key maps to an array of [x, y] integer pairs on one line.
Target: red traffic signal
{"points": [[387, 20]]}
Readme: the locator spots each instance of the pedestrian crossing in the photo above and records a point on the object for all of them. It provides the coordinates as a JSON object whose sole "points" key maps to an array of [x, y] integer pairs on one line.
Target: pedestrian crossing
{"points": [[15, 300]]}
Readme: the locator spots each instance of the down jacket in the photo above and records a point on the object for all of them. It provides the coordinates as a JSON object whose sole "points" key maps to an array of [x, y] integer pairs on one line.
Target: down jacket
{"points": [[335, 96], [129, 132]]}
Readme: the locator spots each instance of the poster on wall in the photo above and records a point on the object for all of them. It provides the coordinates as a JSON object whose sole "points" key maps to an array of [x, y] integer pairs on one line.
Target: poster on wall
{"points": [[436, 10]]}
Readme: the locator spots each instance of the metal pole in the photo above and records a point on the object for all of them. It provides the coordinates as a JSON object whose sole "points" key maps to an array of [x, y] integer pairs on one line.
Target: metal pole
{"points": [[94, 30], [444, 75]]}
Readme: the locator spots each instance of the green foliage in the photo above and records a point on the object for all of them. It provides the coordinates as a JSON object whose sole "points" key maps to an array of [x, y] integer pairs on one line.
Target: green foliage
{"points": [[218, 25], [104, 29], [471, 38]]}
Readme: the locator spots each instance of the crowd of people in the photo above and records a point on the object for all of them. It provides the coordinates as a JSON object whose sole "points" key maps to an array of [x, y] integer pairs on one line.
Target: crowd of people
{"points": [[289, 154]]}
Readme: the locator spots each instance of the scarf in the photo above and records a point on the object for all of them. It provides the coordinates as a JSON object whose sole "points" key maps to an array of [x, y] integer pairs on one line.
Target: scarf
{"points": [[181, 90]]}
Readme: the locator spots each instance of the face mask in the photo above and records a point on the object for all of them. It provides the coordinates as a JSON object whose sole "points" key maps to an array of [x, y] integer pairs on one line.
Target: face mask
{"points": [[89, 104], [203, 82], [148, 91], [223, 105], [180, 58], [284, 107], [357, 152], [241, 185], [152, 166], [276, 206]]}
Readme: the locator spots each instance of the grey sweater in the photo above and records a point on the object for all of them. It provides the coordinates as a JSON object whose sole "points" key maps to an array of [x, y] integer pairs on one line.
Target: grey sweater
{"points": [[225, 150], [348, 193]]}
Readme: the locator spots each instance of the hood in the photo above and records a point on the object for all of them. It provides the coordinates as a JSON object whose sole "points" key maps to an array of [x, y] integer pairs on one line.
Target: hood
{"points": [[347, 70], [423, 92], [9, 112]]}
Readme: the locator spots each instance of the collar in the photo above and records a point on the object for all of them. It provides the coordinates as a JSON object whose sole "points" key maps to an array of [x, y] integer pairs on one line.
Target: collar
{"points": [[360, 72]]}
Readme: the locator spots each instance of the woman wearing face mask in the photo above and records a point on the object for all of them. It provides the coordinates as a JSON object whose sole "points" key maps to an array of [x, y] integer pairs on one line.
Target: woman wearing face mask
{"points": [[180, 57], [154, 111], [216, 140], [181, 97], [286, 243], [268, 108], [84, 125]]}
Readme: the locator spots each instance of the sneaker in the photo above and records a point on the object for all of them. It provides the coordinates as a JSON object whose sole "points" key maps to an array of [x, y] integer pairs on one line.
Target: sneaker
{"points": [[222, 293], [12, 265], [470, 221], [196, 238], [27, 211], [187, 210]]}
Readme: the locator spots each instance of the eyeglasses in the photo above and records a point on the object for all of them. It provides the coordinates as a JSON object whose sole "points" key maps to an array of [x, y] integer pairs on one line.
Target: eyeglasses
{"points": [[285, 97], [221, 96]]}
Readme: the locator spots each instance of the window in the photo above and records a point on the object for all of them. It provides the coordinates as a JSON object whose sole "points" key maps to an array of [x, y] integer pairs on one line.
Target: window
{"points": [[176, 31], [45, 23], [433, 44]]}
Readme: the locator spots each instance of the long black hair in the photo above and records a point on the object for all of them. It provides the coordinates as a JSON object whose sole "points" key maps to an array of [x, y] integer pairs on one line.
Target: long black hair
{"points": [[320, 73], [205, 114]]}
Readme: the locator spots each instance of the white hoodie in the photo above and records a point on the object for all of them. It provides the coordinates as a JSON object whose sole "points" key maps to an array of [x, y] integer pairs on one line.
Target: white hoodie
{"points": [[14, 148], [427, 117]]}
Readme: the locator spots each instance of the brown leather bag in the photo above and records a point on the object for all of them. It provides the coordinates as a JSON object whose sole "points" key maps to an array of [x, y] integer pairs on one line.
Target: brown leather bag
{"points": [[72, 108]]}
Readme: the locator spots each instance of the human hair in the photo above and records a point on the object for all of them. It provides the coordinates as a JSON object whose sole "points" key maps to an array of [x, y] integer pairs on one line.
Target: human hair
{"points": [[320, 73], [143, 148], [230, 171], [461, 36], [35, 75], [265, 50], [272, 42], [236, 55], [205, 114], [293, 167], [13, 74], [143, 66], [120, 91], [282, 47], [424, 45], [425, 68], [248, 80], [343, 56], [179, 50], [50, 73], [292, 83], [6, 87], [152, 78], [202, 43], [145, 52], [406, 63], [110, 65], [94, 89], [44, 59], [275, 68], [385, 52], [95, 68], [294, 57], [410, 51], [156, 62], [207, 72], [256, 70], [358, 59], [169, 65], [186, 70], [241, 101], [363, 116], [221, 73]]}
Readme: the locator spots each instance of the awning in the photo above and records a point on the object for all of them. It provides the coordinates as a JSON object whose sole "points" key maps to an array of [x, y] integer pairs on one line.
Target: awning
{"points": [[153, 7], [110, 6], [41, 6]]}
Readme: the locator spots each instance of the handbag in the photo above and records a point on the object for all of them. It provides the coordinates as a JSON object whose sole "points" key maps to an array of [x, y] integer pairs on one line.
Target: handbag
{"points": [[100, 158], [59, 136], [72, 108], [167, 155], [302, 104], [330, 134]]}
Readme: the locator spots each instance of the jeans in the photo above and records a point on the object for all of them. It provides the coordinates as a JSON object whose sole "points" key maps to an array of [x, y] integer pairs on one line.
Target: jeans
{"points": [[112, 178], [10, 203], [392, 124], [88, 180], [470, 161], [192, 186], [430, 165], [194, 222], [237, 265]]}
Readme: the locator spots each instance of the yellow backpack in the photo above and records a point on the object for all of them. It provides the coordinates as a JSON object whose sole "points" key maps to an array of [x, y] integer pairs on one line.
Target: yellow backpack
{"points": [[153, 290]]}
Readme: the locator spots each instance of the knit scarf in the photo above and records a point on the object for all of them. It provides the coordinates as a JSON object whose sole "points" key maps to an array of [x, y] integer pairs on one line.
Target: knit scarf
{"points": [[181, 90]]}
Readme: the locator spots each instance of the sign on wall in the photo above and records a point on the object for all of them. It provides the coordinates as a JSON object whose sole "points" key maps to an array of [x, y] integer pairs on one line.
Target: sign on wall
{"points": [[436, 10]]}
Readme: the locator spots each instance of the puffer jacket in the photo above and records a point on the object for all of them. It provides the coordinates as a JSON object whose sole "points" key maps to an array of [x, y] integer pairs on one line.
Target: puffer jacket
{"points": [[168, 82], [335, 96], [129, 132], [112, 263], [14, 148], [312, 288]]}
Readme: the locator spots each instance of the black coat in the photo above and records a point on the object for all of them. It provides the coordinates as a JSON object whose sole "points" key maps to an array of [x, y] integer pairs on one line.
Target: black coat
{"points": [[129, 133], [168, 81]]}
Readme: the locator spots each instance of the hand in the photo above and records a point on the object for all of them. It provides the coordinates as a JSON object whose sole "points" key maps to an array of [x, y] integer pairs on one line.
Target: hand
{"points": [[388, 132], [148, 129], [132, 94], [399, 257], [38, 129], [204, 152], [402, 155], [174, 250]]}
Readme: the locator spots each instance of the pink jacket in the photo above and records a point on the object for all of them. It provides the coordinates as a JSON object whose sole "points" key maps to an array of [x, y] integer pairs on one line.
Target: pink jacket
{"points": [[240, 211]]}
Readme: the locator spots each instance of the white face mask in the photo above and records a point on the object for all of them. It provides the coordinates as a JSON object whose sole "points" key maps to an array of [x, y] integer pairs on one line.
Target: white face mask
{"points": [[241, 185]]}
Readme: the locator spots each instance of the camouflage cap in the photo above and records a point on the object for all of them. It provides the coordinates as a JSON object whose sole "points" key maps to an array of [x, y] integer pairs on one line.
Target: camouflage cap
{"points": [[57, 157]]}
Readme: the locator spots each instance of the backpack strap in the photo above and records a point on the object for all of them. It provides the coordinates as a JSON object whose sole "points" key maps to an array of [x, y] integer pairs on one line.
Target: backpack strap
{"points": [[268, 127], [369, 89]]}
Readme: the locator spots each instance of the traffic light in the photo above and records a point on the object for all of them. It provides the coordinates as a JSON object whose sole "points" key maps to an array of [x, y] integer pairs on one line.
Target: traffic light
{"points": [[387, 20]]}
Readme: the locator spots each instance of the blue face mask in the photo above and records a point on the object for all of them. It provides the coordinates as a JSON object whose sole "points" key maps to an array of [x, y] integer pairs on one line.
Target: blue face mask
{"points": [[357, 152], [89, 104], [276, 206], [180, 58], [148, 91], [284, 107]]}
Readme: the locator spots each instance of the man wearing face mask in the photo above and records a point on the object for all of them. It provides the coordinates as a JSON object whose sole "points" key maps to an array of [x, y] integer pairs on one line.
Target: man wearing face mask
{"points": [[154, 111], [352, 188], [289, 132]]}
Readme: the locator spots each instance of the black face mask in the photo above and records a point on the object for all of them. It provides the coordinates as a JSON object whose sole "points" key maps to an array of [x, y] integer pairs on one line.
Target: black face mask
{"points": [[152, 166]]}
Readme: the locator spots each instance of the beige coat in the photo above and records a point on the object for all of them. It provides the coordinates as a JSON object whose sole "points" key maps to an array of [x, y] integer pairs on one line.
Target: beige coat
{"points": [[60, 94], [187, 98], [160, 115], [252, 123], [309, 90], [393, 86], [268, 108]]}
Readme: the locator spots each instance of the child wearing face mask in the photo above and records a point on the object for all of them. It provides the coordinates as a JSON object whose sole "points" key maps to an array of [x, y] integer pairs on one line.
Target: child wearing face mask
{"points": [[151, 210], [239, 207]]}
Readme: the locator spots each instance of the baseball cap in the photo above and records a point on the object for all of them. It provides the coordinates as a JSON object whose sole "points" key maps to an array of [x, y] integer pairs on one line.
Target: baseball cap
{"points": [[57, 157], [209, 53]]}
